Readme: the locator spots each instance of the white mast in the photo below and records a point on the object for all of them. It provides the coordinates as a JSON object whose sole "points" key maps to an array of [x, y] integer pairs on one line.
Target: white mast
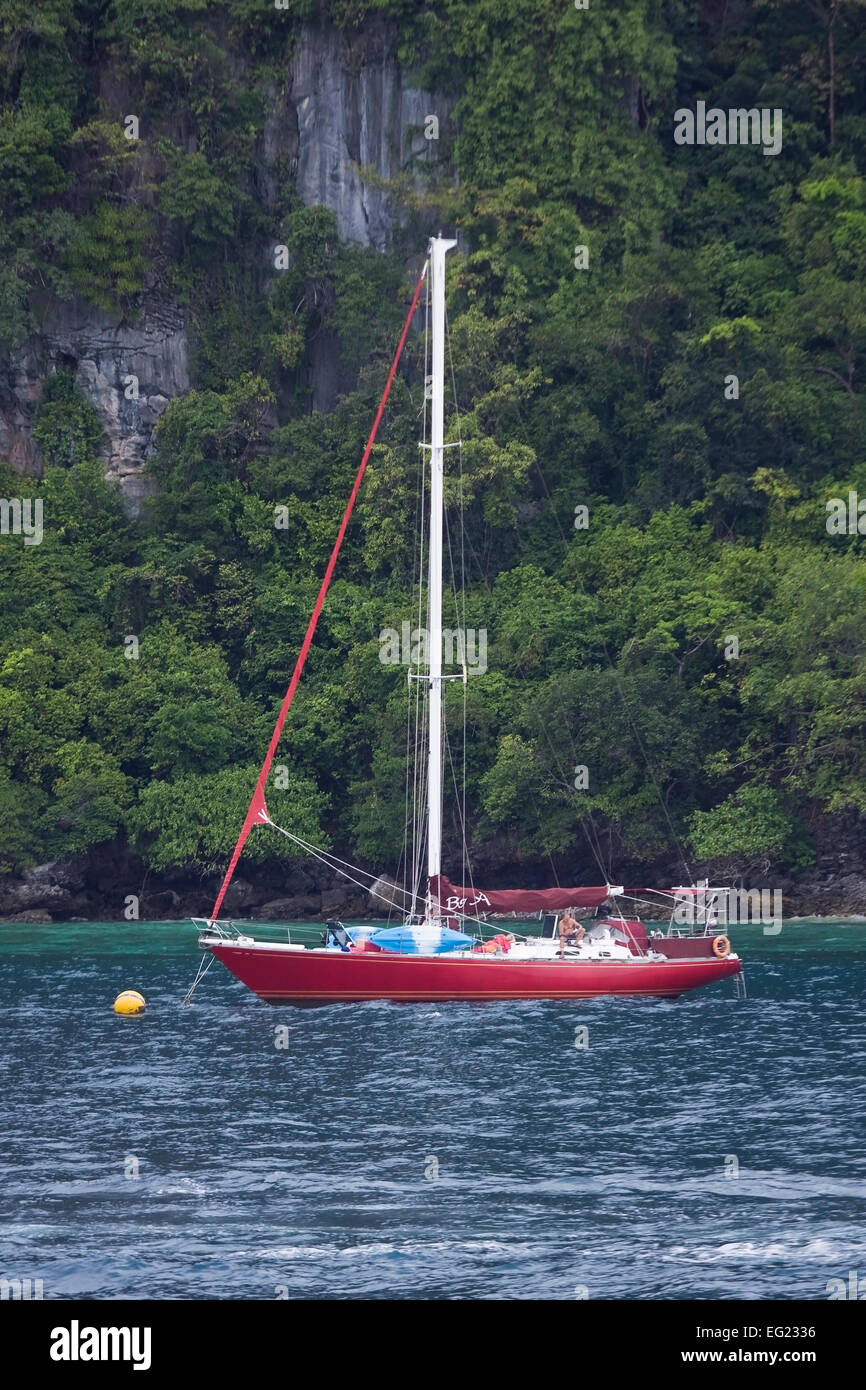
{"points": [[439, 247]]}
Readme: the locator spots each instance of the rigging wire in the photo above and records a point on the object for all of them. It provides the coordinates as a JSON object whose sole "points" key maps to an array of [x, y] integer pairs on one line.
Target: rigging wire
{"points": [[460, 607], [419, 770], [199, 976], [521, 670], [416, 704], [331, 861], [604, 868], [590, 833], [325, 857], [257, 809], [623, 697], [412, 760], [593, 845]]}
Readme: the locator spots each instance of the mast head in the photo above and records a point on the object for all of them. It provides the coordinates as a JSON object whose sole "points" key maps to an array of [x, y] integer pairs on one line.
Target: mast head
{"points": [[439, 241]]}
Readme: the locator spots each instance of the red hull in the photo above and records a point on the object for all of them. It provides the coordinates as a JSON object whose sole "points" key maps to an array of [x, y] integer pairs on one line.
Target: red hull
{"points": [[283, 976]]}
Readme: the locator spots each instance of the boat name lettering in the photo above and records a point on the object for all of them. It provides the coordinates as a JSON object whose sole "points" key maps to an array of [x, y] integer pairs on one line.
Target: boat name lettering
{"points": [[456, 904]]}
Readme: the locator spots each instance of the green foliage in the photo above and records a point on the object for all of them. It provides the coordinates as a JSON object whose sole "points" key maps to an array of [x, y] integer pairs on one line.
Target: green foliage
{"points": [[30, 171], [107, 259], [33, 230], [195, 819], [194, 196], [603, 388], [66, 426], [21, 836], [751, 824], [88, 799]]}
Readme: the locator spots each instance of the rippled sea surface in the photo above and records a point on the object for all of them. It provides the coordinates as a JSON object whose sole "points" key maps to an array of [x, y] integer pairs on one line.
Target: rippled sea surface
{"points": [[309, 1171]]}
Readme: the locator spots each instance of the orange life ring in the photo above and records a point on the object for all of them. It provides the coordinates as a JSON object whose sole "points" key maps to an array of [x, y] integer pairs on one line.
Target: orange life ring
{"points": [[721, 947]]}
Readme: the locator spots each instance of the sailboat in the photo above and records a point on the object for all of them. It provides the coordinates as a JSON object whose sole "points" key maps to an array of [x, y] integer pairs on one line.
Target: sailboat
{"points": [[442, 949]]}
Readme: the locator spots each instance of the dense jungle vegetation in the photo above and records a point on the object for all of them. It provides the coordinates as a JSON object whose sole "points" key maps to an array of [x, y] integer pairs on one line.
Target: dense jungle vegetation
{"points": [[608, 387]]}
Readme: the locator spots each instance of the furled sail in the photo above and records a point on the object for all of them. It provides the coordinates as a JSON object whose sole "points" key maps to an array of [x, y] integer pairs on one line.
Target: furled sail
{"points": [[477, 900]]}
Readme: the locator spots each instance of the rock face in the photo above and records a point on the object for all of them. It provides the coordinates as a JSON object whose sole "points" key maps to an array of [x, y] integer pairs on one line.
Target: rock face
{"points": [[97, 887], [346, 105], [387, 895], [354, 110], [128, 371], [45, 894]]}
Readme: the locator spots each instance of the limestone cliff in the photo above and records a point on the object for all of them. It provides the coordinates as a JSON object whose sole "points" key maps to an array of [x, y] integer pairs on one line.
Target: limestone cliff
{"points": [[128, 372], [356, 110], [346, 106]]}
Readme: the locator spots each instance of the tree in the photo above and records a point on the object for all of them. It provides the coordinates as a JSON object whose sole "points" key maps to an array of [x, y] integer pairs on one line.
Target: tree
{"points": [[108, 259], [66, 426]]}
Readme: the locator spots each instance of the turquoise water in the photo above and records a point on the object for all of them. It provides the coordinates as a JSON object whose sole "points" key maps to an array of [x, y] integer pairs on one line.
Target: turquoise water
{"points": [[426, 1151]]}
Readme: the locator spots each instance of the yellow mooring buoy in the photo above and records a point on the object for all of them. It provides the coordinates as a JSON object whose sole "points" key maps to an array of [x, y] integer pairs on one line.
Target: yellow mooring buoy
{"points": [[129, 1001]]}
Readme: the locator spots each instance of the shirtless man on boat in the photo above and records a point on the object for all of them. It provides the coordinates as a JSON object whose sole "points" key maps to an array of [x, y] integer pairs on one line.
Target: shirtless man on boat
{"points": [[570, 932]]}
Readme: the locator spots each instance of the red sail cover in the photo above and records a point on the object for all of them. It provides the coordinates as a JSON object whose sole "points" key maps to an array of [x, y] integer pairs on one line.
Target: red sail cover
{"points": [[477, 900]]}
